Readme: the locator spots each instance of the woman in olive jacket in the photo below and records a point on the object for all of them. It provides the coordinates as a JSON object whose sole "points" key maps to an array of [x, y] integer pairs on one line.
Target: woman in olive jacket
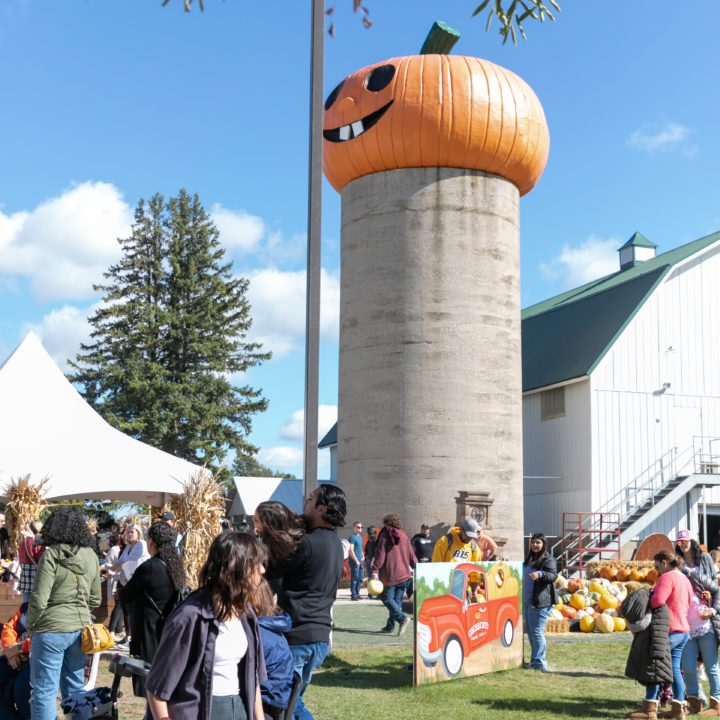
{"points": [[539, 575], [67, 587]]}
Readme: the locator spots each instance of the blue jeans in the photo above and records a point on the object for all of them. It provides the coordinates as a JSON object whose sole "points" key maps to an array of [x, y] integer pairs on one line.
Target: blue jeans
{"points": [[678, 641], [20, 692], [56, 661], [708, 647], [305, 659], [535, 622], [356, 578], [392, 596]]}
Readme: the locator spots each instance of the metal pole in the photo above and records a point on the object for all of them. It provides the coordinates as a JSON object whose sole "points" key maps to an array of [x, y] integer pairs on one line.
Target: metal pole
{"points": [[312, 296]]}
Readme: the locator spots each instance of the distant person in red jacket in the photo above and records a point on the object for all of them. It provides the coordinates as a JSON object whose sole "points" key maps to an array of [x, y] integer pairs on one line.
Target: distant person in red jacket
{"points": [[392, 564]]}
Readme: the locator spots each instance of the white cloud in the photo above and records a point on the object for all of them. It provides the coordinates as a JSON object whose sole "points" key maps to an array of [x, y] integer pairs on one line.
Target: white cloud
{"points": [[62, 330], [281, 457], [238, 229], [591, 260], [293, 429], [65, 244], [278, 308], [670, 137]]}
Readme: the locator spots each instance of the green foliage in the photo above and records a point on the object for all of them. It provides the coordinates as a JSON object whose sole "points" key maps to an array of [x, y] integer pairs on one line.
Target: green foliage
{"points": [[517, 11], [506, 11], [169, 338], [248, 466]]}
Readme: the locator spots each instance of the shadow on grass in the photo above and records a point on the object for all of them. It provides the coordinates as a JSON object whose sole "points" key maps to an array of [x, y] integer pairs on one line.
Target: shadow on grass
{"points": [[386, 675], [580, 707], [594, 675], [354, 631]]}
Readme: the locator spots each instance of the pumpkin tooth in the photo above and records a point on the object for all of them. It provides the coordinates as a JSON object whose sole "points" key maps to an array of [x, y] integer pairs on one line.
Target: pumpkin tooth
{"points": [[344, 132], [357, 128]]}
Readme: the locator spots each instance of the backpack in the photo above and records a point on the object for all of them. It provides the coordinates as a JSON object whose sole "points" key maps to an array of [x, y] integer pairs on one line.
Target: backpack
{"points": [[449, 539], [177, 598]]}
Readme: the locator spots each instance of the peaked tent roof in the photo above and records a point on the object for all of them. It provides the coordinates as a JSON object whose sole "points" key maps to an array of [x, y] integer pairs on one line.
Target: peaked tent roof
{"points": [[566, 336], [47, 429], [254, 490]]}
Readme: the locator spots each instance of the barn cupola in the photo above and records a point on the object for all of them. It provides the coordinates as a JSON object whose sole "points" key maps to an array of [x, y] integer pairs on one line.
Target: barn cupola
{"points": [[636, 250]]}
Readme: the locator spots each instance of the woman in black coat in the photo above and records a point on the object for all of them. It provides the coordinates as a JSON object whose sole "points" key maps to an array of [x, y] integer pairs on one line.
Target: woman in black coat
{"points": [[150, 591], [539, 575]]}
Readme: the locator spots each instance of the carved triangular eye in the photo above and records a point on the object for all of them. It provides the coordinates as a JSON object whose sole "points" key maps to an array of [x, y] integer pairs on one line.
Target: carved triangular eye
{"points": [[380, 78], [332, 97]]}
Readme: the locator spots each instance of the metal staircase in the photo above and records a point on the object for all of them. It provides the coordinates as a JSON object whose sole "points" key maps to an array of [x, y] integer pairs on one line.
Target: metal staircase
{"points": [[638, 504]]}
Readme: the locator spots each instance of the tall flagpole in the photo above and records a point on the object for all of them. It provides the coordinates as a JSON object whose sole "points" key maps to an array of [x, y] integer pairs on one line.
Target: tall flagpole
{"points": [[312, 298]]}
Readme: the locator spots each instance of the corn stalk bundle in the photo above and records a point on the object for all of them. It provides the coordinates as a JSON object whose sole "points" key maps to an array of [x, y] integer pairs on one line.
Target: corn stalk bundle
{"points": [[92, 524], [199, 512], [26, 502]]}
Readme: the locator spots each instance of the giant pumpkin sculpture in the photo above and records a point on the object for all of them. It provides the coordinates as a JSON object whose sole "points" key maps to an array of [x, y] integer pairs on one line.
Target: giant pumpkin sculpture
{"points": [[434, 111]]}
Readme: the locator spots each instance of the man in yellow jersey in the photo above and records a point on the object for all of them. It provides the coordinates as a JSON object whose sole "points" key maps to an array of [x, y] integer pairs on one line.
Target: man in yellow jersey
{"points": [[464, 544]]}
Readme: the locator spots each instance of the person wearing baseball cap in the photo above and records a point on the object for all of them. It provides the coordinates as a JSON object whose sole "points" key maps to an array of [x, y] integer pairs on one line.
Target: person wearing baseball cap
{"points": [[465, 543], [693, 556], [423, 544]]}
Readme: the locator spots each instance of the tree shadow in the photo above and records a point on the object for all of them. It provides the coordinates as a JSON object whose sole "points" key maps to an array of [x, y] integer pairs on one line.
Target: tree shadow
{"points": [[386, 675], [580, 707]]}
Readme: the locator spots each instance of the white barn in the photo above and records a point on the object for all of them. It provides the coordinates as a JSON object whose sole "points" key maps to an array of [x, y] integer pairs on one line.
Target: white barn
{"points": [[621, 395]]}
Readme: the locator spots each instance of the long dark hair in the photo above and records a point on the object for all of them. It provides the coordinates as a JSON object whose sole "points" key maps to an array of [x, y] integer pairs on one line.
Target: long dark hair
{"points": [[334, 500], [67, 525], [695, 552], [229, 575], [535, 559], [164, 538], [263, 601], [282, 529]]}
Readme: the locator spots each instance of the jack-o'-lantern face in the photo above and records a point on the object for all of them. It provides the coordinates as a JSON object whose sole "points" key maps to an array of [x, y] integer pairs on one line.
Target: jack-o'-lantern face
{"points": [[434, 111]]}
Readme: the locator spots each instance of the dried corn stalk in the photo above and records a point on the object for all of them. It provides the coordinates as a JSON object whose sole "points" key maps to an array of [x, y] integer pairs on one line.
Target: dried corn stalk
{"points": [[199, 512], [135, 519], [26, 502], [92, 524]]}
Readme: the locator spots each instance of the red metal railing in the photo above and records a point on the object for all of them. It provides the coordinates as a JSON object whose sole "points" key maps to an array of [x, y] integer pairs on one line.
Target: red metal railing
{"points": [[588, 536]]}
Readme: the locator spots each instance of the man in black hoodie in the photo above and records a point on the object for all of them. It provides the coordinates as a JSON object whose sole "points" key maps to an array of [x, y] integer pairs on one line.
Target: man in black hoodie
{"points": [[310, 580]]}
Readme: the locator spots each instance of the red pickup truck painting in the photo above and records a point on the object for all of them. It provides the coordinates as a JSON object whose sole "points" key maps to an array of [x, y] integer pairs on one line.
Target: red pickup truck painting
{"points": [[482, 605]]}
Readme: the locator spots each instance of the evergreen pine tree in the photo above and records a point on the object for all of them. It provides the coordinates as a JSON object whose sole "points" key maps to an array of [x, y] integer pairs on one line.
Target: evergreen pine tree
{"points": [[170, 338]]}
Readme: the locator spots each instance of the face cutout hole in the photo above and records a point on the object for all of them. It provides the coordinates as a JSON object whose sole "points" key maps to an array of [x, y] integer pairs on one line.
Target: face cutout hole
{"points": [[332, 97], [380, 78]]}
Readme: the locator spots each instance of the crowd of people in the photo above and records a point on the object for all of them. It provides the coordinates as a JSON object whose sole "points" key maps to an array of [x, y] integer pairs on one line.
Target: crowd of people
{"points": [[245, 644], [237, 648]]}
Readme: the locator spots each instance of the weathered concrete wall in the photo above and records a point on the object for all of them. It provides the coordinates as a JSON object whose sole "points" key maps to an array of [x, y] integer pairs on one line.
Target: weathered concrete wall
{"points": [[430, 367]]}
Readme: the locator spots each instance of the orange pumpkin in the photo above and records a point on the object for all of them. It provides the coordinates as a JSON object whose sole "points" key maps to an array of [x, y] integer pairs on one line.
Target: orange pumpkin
{"points": [[623, 574], [569, 612], [575, 584], [652, 576], [635, 575], [434, 111]]}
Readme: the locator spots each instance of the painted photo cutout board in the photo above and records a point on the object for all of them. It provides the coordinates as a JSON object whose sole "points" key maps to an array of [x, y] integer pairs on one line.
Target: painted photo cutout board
{"points": [[468, 619]]}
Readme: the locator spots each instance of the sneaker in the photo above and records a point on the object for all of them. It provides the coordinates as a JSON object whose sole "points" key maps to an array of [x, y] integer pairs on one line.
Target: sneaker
{"points": [[355, 597], [387, 631], [403, 626]]}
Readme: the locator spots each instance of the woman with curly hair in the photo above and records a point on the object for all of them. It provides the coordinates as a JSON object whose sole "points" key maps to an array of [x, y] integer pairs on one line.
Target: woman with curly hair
{"points": [[392, 564], [67, 585], [209, 663], [150, 592], [280, 529]]}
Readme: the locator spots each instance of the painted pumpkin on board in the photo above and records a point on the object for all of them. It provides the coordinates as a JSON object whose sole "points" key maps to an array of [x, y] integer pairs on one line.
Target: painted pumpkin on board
{"points": [[434, 111]]}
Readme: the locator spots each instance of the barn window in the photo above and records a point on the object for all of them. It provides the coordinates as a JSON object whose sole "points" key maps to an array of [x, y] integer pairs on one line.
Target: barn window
{"points": [[552, 403]]}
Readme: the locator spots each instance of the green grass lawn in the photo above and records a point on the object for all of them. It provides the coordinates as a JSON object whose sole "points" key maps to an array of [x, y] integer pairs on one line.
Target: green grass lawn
{"points": [[586, 680], [367, 677]]}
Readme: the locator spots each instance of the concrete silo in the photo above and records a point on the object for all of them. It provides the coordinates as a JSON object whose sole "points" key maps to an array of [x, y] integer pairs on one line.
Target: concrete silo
{"points": [[431, 154]]}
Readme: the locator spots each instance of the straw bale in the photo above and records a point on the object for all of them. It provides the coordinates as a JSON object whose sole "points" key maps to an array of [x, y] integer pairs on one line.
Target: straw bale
{"points": [[592, 569], [26, 502]]}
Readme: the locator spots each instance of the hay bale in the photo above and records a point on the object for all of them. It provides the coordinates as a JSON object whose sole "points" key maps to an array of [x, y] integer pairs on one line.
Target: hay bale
{"points": [[26, 502], [557, 626], [592, 569]]}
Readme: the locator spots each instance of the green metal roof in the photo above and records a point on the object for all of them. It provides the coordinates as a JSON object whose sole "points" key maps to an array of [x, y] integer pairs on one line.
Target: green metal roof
{"points": [[330, 438], [638, 240], [566, 336]]}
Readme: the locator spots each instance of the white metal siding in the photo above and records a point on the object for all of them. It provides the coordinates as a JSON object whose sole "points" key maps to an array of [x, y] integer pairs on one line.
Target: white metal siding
{"points": [[556, 460], [659, 385]]}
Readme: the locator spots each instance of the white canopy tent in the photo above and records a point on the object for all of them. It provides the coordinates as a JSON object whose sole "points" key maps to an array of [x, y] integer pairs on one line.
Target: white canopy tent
{"points": [[47, 429]]}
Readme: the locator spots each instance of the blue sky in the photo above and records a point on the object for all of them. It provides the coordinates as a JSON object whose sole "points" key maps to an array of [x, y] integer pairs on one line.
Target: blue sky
{"points": [[108, 102]]}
